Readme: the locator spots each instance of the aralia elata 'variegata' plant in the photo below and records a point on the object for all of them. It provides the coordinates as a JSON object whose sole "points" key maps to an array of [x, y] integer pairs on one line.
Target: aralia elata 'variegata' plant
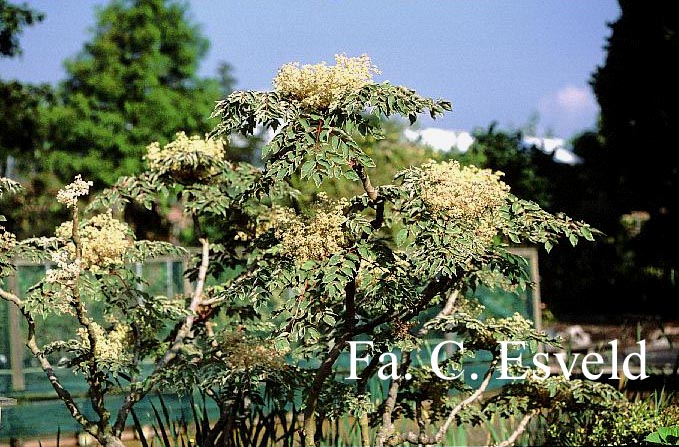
{"points": [[296, 283]]}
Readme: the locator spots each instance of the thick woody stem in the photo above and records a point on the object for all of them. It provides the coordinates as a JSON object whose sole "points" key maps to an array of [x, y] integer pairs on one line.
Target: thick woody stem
{"points": [[365, 180], [323, 372], [373, 195], [309, 427]]}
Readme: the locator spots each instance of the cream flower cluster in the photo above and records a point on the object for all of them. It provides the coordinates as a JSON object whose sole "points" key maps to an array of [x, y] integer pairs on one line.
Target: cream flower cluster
{"points": [[109, 346], [183, 153], [70, 193], [320, 86], [315, 237], [470, 195], [66, 272], [7, 240], [104, 241]]}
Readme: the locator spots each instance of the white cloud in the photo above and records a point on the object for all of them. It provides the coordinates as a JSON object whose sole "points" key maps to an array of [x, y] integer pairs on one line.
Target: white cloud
{"points": [[574, 98], [439, 139], [568, 111]]}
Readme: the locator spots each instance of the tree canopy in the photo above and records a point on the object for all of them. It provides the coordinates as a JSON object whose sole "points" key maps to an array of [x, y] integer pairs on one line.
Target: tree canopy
{"points": [[13, 20], [637, 90], [135, 81]]}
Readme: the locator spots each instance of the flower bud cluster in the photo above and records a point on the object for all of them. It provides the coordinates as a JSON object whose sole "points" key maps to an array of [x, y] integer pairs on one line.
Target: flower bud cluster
{"points": [[321, 86], [69, 194]]}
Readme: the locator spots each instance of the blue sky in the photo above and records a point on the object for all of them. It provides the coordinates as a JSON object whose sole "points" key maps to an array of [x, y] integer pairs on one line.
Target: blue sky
{"points": [[496, 61]]}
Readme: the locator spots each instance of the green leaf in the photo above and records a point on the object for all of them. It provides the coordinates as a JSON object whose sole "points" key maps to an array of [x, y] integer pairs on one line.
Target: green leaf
{"points": [[307, 167], [351, 175], [586, 233], [573, 239], [401, 236], [313, 333], [281, 344], [308, 265], [329, 320], [548, 246]]}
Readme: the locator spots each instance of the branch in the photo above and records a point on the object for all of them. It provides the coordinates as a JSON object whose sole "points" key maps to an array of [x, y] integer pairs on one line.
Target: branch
{"points": [[96, 378], [184, 332], [311, 403], [46, 366], [324, 371], [378, 201], [475, 395], [433, 288], [519, 430], [386, 432], [12, 298]]}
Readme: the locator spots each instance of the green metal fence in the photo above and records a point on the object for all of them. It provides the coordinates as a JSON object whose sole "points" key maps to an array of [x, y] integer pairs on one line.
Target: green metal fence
{"points": [[21, 378], [162, 276]]}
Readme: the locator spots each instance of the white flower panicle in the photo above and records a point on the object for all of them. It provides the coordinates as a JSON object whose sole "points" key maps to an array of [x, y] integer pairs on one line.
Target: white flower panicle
{"points": [[185, 153], [70, 193], [461, 191], [104, 241], [321, 86], [109, 346], [66, 272], [315, 237], [469, 195]]}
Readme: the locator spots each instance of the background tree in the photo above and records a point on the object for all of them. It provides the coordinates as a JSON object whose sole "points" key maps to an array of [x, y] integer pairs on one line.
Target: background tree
{"points": [[637, 91], [134, 82], [13, 20], [23, 109]]}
